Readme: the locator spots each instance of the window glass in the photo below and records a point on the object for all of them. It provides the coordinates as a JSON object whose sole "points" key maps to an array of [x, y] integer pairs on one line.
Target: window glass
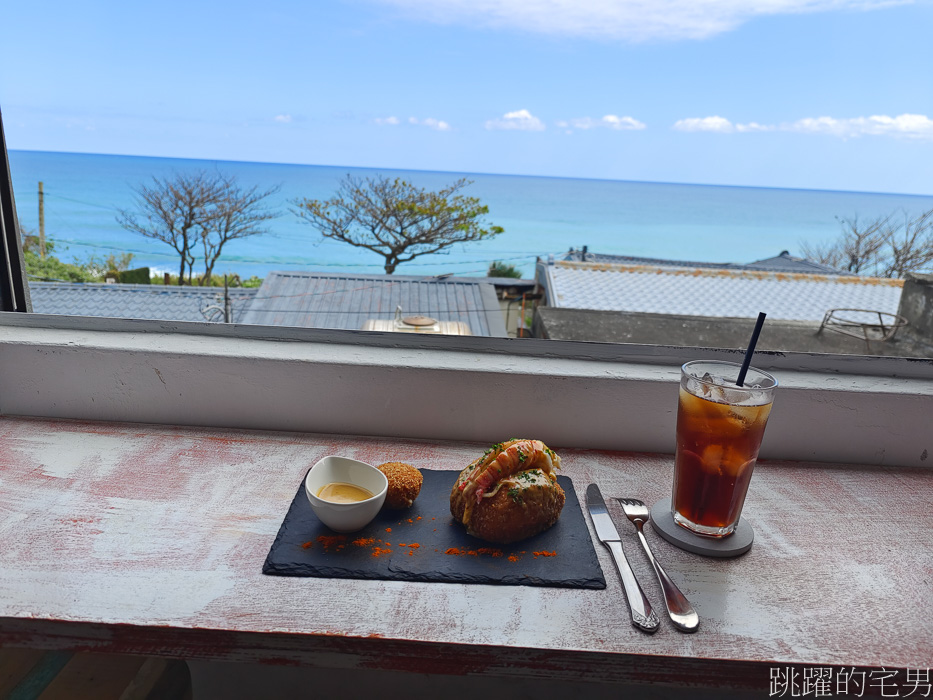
{"points": [[579, 171]]}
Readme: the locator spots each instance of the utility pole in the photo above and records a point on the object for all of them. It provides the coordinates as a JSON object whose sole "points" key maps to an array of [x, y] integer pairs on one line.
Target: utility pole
{"points": [[228, 310], [41, 222]]}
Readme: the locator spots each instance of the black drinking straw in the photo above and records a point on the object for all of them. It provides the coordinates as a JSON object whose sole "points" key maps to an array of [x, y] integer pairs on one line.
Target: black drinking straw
{"points": [[751, 349]]}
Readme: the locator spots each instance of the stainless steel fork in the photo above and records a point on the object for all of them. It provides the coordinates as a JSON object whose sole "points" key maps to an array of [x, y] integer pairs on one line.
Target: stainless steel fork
{"points": [[682, 613]]}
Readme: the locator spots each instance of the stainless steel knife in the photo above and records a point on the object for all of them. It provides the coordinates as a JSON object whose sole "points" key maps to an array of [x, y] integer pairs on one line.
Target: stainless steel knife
{"points": [[643, 617]]}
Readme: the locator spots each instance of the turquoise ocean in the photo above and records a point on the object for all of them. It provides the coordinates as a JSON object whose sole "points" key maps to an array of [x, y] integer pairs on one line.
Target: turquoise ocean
{"points": [[541, 215]]}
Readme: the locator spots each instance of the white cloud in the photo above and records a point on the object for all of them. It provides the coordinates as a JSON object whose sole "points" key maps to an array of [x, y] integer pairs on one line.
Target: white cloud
{"points": [[632, 20], [907, 125], [431, 123], [387, 121], [610, 121], [754, 126], [283, 118], [917, 126], [718, 124], [520, 120]]}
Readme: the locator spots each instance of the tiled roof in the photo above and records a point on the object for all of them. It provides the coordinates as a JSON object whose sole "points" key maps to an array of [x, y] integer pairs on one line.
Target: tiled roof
{"points": [[785, 262], [326, 300], [705, 292], [579, 256], [152, 301]]}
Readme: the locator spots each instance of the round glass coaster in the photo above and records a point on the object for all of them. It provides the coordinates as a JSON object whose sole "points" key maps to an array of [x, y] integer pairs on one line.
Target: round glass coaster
{"points": [[736, 544]]}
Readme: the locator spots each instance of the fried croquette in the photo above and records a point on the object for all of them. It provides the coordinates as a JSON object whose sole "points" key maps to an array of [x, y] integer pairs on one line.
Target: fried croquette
{"points": [[510, 492], [524, 505], [404, 484]]}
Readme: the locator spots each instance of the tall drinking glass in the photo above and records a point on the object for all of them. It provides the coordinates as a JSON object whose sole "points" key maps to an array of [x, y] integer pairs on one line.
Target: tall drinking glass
{"points": [[719, 431]]}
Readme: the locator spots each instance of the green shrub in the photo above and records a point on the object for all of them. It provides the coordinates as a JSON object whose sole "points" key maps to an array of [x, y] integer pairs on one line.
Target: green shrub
{"points": [[140, 275], [52, 269]]}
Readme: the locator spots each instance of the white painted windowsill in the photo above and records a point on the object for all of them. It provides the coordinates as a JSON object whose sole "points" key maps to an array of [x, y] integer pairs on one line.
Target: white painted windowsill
{"points": [[874, 411]]}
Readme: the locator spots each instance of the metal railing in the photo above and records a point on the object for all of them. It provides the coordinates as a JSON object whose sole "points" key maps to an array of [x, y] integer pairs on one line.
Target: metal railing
{"points": [[864, 324]]}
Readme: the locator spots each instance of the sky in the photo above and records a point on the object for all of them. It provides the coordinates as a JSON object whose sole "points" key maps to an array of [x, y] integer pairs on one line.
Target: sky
{"points": [[814, 94]]}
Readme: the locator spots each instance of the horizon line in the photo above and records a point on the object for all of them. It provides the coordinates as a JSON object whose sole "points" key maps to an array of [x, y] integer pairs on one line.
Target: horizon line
{"points": [[465, 172]]}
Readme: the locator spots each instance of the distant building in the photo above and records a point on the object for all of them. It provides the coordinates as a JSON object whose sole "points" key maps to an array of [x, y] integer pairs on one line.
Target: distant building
{"points": [[460, 305], [784, 262], [153, 301], [349, 301], [683, 304], [713, 292]]}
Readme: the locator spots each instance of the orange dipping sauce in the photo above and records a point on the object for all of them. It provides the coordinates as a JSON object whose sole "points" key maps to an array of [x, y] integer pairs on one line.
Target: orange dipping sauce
{"points": [[340, 492]]}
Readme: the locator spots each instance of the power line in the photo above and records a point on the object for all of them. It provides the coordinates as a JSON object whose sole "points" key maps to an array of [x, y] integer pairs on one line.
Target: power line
{"points": [[81, 201], [270, 261]]}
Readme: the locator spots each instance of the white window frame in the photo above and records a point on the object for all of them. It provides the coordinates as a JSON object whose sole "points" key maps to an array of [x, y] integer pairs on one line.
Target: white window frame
{"points": [[829, 408]]}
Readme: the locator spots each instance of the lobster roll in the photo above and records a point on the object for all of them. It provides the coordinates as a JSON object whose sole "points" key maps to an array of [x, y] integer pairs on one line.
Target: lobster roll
{"points": [[510, 492]]}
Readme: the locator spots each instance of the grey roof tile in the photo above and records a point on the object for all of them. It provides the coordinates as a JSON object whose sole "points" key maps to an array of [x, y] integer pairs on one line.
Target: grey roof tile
{"points": [[785, 262], [579, 256], [347, 301], [705, 292], [152, 301]]}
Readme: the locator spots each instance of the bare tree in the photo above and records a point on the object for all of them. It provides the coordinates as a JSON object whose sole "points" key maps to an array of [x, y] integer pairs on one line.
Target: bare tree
{"points": [[240, 213], [856, 250], [886, 246], [830, 253], [189, 209], [908, 246], [396, 219]]}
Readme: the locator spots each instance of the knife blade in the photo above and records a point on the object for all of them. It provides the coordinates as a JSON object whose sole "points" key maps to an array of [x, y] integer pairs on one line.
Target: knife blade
{"points": [[643, 617]]}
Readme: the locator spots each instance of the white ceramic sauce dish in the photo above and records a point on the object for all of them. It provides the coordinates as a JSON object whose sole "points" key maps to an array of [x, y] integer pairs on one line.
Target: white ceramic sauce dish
{"points": [[346, 517]]}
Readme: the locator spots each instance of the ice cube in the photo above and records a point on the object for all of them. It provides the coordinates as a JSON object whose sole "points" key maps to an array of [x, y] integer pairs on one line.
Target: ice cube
{"points": [[734, 464], [712, 459], [733, 396], [716, 393], [742, 416], [706, 384]]}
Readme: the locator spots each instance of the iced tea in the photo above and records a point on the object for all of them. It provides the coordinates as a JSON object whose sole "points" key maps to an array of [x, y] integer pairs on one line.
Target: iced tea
{"points": [[719, 431]]}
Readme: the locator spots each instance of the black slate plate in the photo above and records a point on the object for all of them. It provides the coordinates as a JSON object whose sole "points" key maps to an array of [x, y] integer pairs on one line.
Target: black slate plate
{"points": [[384, 549]]}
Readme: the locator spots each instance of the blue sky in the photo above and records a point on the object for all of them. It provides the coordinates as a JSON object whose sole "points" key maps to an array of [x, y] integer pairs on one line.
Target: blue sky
{"points": [[823, 94]]}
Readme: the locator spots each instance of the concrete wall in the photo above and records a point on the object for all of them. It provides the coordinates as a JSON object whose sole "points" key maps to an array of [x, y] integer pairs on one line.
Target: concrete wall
{"points": [[698, 331], [917, 305], [831, 408]]}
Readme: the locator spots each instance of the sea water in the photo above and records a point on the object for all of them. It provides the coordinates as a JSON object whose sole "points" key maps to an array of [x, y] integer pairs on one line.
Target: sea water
{"points": [[540, 215]]}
